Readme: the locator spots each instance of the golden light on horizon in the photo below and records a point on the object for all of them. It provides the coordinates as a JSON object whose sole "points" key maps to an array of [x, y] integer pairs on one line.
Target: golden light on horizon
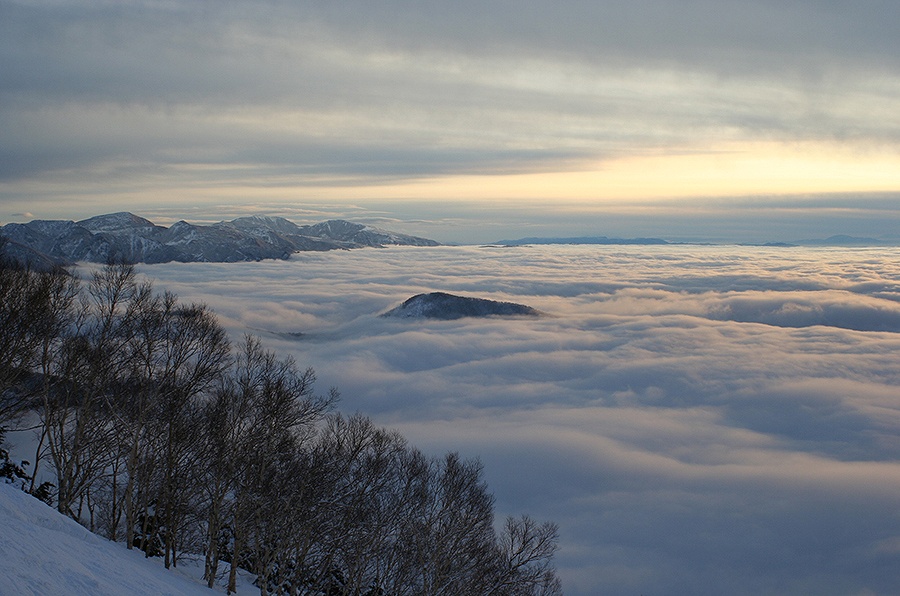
{"points": [[629, 184], [730, 170]]}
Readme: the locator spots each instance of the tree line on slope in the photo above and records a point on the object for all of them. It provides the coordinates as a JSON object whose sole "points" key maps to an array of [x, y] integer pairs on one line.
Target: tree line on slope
{"points": [[161, 434]]}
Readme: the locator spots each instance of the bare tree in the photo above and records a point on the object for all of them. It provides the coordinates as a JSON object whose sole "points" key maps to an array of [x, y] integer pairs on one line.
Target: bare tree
{"points": [[525, 561], [451, 536], [194, 354], [59, 316], [18, 340], [78, 426], [134, 407], [281, 410], [224, 427], [34, 312], [348, 549]]}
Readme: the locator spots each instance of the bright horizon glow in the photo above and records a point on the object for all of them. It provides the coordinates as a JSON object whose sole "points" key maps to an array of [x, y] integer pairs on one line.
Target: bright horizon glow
{"points": [[748, 169], [730, 170]]}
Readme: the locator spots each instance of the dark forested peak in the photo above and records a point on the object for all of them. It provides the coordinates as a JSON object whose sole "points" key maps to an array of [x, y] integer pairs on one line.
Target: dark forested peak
{"points": [[440, 305]]}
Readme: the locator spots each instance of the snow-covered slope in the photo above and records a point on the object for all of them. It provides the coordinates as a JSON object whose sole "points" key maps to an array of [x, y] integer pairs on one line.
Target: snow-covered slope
{"points": [[360, 235], [43, 553], [124, 236]]}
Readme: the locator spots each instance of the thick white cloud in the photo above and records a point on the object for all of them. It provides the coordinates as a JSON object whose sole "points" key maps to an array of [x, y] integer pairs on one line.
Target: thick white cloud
{"points": [[700, 420]]}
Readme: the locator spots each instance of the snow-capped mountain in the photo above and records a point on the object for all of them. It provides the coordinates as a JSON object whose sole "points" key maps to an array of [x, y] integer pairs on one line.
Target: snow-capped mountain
{"points": [[440, 305], [128, 237]]}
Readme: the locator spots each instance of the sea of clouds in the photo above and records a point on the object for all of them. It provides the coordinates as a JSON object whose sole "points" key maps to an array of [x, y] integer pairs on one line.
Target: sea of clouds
{"points": [[697, 419]]}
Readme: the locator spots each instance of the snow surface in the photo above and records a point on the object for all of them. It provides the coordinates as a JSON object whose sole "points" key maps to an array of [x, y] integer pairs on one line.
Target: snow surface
{"points": [[44, 553]]}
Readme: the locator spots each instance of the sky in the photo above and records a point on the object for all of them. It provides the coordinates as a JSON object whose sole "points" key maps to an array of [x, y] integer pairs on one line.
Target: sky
{"points": [[466, 121], [698, 420]]}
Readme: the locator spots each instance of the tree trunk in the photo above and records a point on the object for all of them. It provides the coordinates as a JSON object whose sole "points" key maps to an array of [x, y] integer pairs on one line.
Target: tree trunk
{"points": [[131, 471], [235, 557], [212, 549]]}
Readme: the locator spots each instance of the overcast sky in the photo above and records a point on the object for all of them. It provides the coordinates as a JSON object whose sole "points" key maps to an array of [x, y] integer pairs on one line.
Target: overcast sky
{"points": [[624, 117], [698, 420]]}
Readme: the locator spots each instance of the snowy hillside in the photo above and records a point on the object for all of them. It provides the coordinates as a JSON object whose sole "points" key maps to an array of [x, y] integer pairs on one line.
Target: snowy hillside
{"points": [[43, 553]]}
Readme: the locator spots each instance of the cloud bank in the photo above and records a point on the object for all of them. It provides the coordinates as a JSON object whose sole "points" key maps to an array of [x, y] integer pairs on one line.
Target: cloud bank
{"points": [[700, 420]]}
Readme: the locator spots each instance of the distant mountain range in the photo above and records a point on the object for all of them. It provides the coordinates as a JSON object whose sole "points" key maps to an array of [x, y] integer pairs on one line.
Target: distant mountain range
{"points": [[844, 240], [837, 240], [581, 240], [130, 238]]}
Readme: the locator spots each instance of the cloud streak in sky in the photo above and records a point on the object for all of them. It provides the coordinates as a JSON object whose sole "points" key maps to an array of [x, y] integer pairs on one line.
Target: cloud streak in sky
{"points": [[699, 420]]}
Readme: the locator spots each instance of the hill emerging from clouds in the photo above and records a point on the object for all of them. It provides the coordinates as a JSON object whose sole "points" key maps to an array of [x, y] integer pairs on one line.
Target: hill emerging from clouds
{"points": [[128, 237], [440, 305]]}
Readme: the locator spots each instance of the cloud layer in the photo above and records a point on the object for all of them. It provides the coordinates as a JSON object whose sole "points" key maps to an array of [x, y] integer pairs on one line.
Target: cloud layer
{"points": [[700, 420]]}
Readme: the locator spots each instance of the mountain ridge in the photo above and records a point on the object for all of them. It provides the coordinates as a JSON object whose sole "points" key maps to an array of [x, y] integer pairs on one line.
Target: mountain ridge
{"points": [[124, 236]]}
